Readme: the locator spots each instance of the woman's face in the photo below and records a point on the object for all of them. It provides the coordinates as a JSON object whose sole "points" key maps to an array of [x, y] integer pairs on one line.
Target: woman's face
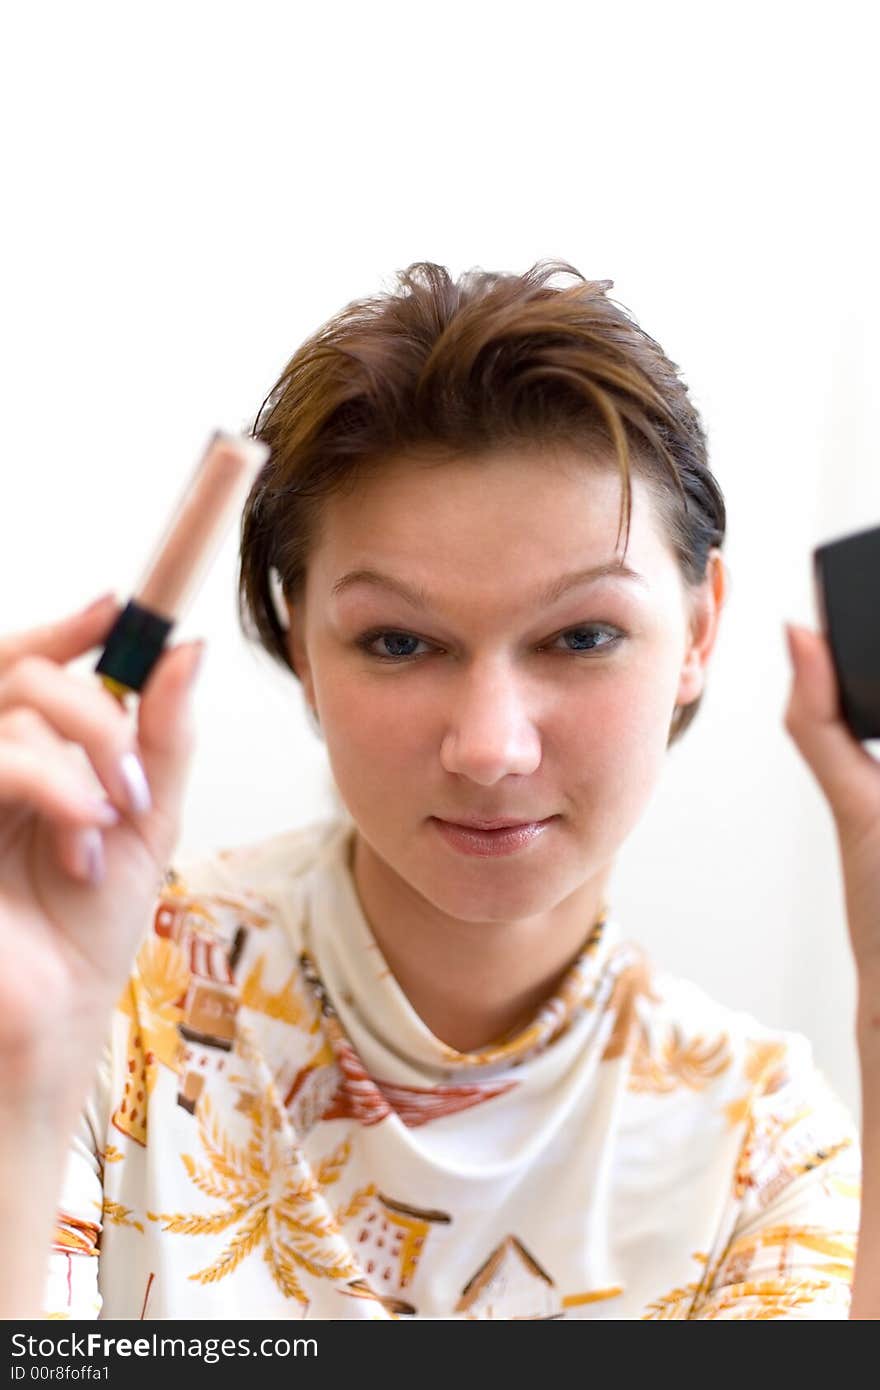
{"points": [[482, 695]]}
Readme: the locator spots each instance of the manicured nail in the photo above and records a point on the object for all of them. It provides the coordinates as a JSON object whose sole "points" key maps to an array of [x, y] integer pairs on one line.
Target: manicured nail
{"points": [[90, 855], [100, 602], [789, 639], [136, 785], [197, 654], [105, 813]]}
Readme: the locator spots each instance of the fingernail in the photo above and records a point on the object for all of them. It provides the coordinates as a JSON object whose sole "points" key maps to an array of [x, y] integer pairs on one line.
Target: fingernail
{"points": [[789, 640], [90, 855], [197, 653], [136, 785], [106, 813], [100, 602]]}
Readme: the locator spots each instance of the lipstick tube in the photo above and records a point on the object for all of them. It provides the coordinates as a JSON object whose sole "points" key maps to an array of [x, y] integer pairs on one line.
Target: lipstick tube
{"points": [[214, 494]]}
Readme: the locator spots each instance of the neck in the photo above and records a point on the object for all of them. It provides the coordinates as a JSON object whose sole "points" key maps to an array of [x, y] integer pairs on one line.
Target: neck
{"points": [[471, 983]]}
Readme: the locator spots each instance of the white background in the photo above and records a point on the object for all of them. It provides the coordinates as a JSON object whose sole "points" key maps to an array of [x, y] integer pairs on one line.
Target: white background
{"points": [[190, 189]]}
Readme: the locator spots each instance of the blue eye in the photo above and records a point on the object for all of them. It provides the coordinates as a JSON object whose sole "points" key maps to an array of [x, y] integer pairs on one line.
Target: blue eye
{"points": [[396, 640], [590, 632], [401, 640]]}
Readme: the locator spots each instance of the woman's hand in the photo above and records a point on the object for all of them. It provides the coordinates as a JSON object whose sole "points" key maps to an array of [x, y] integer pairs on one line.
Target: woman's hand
{"points": [[850, 778], [66, 942]]}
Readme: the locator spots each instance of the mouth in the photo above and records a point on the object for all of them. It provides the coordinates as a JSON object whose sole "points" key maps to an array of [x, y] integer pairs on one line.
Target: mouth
{"points": [[489, 838]]}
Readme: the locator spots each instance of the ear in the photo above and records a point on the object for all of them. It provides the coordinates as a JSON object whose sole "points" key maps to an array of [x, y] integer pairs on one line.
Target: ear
{"points": [[296, 650], [705, 604]]}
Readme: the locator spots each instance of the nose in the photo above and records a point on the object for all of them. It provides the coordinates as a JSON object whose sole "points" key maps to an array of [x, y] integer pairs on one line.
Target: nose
{"points": [[491, 732]]}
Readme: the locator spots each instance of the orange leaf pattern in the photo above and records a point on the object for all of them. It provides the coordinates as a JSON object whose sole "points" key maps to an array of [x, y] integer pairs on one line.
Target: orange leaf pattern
{"points": [[273, 1133]]}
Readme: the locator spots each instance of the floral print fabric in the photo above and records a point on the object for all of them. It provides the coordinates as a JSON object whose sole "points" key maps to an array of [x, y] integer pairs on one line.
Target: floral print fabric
{"points": [[274, 1132]]}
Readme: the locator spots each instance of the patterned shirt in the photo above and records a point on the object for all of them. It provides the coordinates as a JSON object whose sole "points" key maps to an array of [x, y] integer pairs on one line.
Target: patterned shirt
{"points": [[274, 1132]]}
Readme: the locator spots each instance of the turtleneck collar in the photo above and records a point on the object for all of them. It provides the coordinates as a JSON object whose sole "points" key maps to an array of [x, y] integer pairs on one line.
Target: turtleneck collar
{"points": [[376, 1014]]}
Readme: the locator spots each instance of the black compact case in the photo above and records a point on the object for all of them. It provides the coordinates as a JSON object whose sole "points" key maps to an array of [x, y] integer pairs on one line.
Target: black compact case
{"points": [[847, 575]]}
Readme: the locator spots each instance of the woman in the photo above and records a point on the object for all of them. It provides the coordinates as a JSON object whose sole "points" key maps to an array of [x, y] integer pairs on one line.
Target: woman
{"points": [[404, 1063]]}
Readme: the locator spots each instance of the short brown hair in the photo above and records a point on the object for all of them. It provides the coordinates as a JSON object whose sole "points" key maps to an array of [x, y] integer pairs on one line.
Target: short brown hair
{"points": [[468, 366]]}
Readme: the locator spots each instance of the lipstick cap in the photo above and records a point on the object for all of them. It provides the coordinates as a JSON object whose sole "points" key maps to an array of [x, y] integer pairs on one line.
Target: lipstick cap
{"points": [[132, 649]]}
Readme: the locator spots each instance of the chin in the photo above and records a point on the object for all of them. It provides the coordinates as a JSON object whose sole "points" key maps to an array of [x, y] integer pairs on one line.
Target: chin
{"points": [[470, 896]]}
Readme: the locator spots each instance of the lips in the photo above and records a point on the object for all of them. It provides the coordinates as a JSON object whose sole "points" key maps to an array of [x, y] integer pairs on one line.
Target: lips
{"points": [[493, 824], [488, 840]]}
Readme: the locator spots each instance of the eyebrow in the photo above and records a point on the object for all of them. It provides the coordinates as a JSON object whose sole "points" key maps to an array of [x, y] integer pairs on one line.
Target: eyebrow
{"points": [[417, 597]]}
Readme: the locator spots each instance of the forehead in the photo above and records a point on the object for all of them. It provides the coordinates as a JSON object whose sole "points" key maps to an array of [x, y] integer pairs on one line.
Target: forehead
{"points": [[456, 523]]}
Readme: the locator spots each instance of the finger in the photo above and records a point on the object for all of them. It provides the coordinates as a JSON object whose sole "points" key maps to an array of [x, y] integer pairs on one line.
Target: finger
{"points": [[847, 774], [40, 775], [36, 771], [81, 851], [83, 712], [165, 727], [82, 854], [65, 639]]}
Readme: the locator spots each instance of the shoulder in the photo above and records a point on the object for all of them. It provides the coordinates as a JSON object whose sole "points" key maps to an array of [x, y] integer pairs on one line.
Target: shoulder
{"points": [[761, 1084], [228, 923], [681, 1017], [257, 864], [704, 1037], [259, 882], [219, 957]]}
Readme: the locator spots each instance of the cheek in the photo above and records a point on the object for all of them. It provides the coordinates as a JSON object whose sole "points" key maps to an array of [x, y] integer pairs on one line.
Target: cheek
{"points": [[610, 744], [372, 732], [622, 707]]}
